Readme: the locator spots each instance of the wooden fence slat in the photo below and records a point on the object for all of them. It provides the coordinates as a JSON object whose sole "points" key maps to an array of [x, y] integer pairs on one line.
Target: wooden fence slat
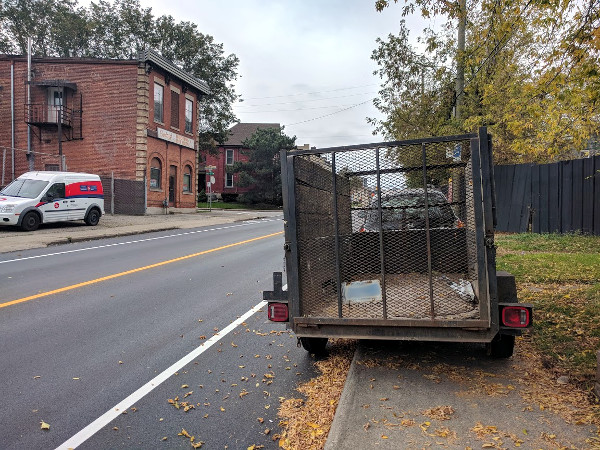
{"points": [[503, 196], [553, 198], [516, 202], [535, 198], [588, 196], [526, 197], [543, 213], [566, 197], [577, 196]]}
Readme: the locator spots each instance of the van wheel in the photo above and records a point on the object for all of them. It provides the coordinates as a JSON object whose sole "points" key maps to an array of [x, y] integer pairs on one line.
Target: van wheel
{"points": [[314, 345], [93, 217], [30, 222], [502, 346]]}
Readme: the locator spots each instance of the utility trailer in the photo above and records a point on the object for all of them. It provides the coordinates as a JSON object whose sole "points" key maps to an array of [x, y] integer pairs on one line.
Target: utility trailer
{"points": [[395, 240]]}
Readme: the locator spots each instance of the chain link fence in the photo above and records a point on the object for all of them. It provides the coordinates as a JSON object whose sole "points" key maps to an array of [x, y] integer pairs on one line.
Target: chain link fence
{"points": [[124, 196], [16, 161], [397, 226]]}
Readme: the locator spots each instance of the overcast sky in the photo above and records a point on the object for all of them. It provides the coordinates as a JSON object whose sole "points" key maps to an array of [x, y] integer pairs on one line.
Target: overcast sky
{"points": [[300, 60]]}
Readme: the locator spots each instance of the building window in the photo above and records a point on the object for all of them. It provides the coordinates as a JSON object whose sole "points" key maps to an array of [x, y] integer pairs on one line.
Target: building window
{"points": [[229, 180], [175, 109], [189, 115], [155, 173], [229, 157], [52, 167], [187, 179], [158, 102]]}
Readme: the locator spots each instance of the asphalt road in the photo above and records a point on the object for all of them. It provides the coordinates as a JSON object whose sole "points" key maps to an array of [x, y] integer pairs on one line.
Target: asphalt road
{"points": [[86, 326]]}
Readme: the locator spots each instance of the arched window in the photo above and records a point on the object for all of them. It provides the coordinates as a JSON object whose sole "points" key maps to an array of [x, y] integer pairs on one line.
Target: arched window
{"points": [[187, 179], [155, 173]]}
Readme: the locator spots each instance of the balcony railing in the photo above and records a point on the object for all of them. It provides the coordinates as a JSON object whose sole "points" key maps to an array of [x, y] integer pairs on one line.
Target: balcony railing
{"points": [[43, 114]]}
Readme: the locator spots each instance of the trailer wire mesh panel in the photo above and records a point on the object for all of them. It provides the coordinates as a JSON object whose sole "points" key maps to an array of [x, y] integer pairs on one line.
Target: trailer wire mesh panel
{"points": [[391, 232]]}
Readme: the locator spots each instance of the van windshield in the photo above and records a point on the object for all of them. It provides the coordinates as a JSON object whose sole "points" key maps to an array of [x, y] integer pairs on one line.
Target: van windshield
{"points": [[24, 188]]}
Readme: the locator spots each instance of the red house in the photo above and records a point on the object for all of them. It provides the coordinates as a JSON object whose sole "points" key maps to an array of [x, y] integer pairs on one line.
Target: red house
{"points": [[133, 122], [221, 165]]}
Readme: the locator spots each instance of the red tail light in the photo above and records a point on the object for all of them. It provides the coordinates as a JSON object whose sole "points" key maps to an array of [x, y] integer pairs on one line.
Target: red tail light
{"points": [[278, 312], [515, 317]]}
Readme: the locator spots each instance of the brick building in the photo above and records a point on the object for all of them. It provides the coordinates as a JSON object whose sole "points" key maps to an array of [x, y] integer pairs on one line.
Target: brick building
{"points": [[134, 120], [232, 151]]}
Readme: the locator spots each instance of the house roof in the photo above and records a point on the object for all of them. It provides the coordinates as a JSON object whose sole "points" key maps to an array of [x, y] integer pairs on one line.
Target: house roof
{"points": [[162, 62], [242, 131]]}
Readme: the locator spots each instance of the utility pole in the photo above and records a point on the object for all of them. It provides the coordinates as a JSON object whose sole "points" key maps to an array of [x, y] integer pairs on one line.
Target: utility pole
{"points": [[30, 155], [460, 63]]}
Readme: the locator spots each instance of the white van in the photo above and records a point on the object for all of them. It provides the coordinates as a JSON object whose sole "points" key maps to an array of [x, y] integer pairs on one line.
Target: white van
{"points": [[43, 197]]}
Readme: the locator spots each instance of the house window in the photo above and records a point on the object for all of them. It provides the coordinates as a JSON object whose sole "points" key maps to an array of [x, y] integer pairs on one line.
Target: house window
{"points": [[52, 167], [158, 102], [155, 173], [187, 179], [229, 180], [174, 109], [229, 157], [189, 115]]}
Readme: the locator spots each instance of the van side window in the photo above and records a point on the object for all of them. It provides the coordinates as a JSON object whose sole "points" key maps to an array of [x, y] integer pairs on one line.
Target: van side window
{"points": [[57, 190]]}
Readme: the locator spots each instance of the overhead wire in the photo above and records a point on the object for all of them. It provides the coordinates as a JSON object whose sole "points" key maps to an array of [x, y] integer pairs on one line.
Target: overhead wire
{"points": [[312, 93], [307, 100], [331, 114]]}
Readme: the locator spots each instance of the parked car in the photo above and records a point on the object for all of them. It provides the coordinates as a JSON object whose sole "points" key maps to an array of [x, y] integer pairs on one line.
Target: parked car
{"points": [[405, 210], [42, 197]]}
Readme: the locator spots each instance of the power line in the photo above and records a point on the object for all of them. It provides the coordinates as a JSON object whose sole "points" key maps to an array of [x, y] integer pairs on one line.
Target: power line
{"points": [[331, 114], [291, 110], [311, 93], [308, 100]]}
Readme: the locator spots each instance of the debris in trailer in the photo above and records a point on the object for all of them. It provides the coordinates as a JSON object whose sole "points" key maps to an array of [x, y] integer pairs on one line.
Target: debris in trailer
{"points": [[407, 297]]}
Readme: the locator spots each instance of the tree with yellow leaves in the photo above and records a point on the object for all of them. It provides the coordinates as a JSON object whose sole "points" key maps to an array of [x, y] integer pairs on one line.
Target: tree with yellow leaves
{"points": [[532, 75]]}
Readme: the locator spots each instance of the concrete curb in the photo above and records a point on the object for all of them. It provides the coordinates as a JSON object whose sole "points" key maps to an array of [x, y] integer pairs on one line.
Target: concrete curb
{"points": [[70, 240], [337, 430]]}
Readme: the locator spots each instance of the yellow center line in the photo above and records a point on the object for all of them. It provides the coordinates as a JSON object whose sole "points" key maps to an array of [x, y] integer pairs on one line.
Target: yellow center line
{"points": [[128, 272]]}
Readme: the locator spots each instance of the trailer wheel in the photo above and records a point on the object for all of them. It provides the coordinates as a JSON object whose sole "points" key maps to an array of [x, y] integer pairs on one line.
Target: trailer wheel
{"points": [[314, 345], [502, 346]]}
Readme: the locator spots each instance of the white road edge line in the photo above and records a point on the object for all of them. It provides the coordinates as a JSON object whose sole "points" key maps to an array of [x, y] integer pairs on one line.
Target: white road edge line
{"points": [[125, 404], [134, 242]]}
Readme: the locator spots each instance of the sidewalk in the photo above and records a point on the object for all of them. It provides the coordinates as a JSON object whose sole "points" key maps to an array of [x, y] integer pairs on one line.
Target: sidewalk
{"points": [[13, 239], [413, 395]]}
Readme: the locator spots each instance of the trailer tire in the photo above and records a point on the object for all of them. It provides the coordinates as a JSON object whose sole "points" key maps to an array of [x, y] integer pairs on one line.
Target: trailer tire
{"points": [[314, 345], [502, 346]]}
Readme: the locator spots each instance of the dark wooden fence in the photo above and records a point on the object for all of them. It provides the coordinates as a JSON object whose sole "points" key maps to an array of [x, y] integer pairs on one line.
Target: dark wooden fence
{"points": [[562, 197]]}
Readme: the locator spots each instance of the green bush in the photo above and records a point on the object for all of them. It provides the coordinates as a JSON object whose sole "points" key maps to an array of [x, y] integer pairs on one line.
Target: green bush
{"points": [[202, 198], [229, 198]]}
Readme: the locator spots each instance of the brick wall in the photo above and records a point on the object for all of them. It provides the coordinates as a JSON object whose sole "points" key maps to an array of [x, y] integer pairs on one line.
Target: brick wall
{"points": [[117, 126], [219, 160], [108, 95]]}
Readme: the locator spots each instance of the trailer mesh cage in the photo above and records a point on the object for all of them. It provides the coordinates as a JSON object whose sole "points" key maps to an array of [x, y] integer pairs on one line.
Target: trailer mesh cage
{"points": [[392, 231]]}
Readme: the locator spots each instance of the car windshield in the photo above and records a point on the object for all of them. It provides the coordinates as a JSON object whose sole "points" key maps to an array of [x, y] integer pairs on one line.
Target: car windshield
{"points": [[24, 188]]}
